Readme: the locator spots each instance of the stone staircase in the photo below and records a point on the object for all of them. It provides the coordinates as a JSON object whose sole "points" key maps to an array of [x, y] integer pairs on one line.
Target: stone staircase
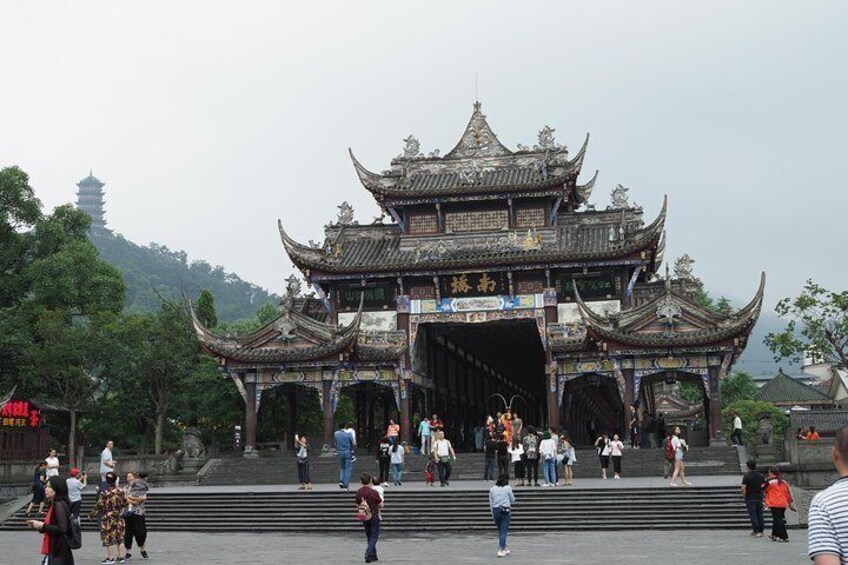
{"points": [[436, 509], [275, 467]]}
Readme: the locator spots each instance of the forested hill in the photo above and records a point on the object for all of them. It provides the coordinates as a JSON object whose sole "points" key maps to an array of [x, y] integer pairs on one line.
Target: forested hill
{"points": [[155, 269]]}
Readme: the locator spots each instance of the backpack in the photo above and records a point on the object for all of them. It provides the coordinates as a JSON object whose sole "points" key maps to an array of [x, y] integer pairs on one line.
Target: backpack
{"points": [[73, 536], [669, 450], [363, 512]]}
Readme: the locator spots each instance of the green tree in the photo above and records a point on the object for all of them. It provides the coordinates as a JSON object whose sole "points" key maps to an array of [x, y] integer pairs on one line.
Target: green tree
{"points": [[205, 309], [817, 326], [738, 386], [750, 412]]}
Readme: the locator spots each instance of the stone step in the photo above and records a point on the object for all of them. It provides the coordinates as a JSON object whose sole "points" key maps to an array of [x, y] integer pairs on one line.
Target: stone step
{"points": [[457, 510]]}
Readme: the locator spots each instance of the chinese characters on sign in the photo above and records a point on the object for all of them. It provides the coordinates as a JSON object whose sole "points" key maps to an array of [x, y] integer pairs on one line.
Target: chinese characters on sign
{"points": [[589, 287], [20, 414], [474, 284], [374, 296]]}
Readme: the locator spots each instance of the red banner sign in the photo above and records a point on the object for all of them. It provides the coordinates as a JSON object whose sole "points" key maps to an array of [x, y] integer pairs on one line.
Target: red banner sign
{"points": [[20, 414]]}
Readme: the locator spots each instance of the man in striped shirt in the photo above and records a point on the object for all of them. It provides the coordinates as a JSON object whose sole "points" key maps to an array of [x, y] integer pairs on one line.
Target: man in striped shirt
{"points": [[828, 518]]}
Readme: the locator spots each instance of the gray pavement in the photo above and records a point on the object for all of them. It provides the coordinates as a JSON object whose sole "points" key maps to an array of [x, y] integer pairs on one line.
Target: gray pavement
{"points": [[612, 548]]}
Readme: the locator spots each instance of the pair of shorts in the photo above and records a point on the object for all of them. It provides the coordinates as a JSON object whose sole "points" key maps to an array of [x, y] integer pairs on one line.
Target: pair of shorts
{"points": [[605, 461], [37, 494], [678, 455]]}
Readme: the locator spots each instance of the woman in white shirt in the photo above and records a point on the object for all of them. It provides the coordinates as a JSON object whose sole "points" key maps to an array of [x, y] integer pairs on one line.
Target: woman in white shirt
{"points": [[569, 458], [548, 453], [616, 451], [516, 453], [680, 446], [396, 454]]}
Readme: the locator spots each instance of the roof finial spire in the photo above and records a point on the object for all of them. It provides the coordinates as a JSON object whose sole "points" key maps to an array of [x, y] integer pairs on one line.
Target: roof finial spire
{"points": [[476, 90]]}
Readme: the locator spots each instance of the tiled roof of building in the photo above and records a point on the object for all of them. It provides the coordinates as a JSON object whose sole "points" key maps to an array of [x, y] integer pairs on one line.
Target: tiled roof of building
{"points": [[672, 319], [582, 236], [479, 163], [785, 390], [825, 421]]}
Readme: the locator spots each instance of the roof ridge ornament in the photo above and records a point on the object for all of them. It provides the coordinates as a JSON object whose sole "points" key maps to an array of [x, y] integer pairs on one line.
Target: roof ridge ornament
{"points": [[478, 139], [618, 197], [683, 267], [345, 215], [546, 139], [411, 148]]}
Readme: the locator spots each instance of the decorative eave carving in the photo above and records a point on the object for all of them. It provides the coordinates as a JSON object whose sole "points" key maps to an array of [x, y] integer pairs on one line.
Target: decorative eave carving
{"points": [[290, 337], [631, 327], [381, 345]]}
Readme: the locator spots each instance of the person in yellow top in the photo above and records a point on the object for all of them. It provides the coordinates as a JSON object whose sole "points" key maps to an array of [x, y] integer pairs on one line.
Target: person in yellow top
{"points": [[506, 420]]}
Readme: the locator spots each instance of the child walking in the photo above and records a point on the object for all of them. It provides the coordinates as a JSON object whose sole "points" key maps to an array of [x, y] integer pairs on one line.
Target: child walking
{"points": [[430, 470]]}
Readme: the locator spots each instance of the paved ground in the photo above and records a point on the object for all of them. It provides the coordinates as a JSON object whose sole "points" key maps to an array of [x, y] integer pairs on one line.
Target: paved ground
{"points": [[626, 548]]}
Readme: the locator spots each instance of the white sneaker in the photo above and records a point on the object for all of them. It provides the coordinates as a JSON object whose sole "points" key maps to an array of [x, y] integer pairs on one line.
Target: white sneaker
{"points": [[507, 551], [501, 553]]}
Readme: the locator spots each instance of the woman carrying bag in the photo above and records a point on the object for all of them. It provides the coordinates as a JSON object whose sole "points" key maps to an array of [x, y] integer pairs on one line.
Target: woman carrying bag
{"points": [[56, 525]]}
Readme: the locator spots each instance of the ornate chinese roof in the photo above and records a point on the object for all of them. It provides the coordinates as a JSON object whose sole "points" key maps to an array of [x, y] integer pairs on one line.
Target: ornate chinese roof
{"points": [[294, 336], [477, 166], [579, 236], [673, 319]]}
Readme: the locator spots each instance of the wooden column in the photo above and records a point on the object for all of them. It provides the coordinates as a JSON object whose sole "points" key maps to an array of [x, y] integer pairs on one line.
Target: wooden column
{"points": [[406, 431], [553, 400], [327, 409], [250, 413], [628, 399], [715, 406], [293, 398]]}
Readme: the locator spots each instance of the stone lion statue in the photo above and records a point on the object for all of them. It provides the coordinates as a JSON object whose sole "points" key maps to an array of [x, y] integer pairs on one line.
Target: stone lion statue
{"points": [[192, 447], [765, 429]]}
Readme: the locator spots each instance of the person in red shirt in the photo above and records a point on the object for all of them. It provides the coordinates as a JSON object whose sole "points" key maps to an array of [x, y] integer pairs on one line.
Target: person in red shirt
{"points": [[436, 425], [367, 494], [778, 499], [812, 434]]}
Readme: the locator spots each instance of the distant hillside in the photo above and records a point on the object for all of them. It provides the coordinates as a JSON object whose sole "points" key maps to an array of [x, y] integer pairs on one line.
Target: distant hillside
{"points": [[156, 269]]}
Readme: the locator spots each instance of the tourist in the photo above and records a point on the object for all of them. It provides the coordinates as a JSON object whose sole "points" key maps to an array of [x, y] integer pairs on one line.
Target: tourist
{"points": [[39, 479], [135, 525], [52, 464], [616, 451], [516, 455], [801, 434], [548, 453], [344, 451], [778, 498], [507, 424], [110, 506], [501, 499], [736, 434], [397, 453], [668, 459], [752, 492], [827, 521], [812, 435], [502, 455], [379, 486], [446, 455], [302, 447], [602, 446], [518, 431], [76, 484], [568, 460], [490, 449], [384, 459], [424, 435], [430, 470], [107, 464], [392, 432], [436, 425], [369, 516], [679, 445], [634, 428], [531, 455], [56, 525]]}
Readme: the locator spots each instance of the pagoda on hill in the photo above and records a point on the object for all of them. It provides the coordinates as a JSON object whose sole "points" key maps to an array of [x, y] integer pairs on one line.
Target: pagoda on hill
{"points": [[90, 200], [490, 276]]}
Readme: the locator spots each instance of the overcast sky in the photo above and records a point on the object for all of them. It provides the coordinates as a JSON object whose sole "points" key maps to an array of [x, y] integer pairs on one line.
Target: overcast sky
{"points": [[210, 120]]}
